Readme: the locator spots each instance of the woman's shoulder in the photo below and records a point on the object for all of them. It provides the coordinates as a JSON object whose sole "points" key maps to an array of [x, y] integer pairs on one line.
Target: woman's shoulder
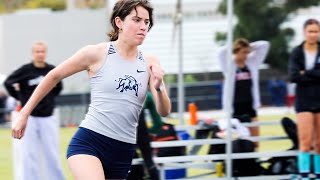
{"points": [[96, 47], [299, 47], [94, 50], [94, 54]]}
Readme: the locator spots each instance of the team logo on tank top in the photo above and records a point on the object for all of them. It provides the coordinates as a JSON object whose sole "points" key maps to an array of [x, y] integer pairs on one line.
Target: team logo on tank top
{"points": [[128, 83]]}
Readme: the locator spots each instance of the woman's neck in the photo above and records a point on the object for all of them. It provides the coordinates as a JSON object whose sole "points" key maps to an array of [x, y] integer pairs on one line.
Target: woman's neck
{"points": [[310, 47], [126, 51], [240, 64], [39, 64]]}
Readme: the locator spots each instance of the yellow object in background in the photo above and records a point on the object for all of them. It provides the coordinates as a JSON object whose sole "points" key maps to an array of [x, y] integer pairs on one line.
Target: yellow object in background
{"points": [[219, 169]]}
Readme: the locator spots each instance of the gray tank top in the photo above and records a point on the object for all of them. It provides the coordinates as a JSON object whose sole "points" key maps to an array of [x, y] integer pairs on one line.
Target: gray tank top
{"points": [[118, 92]]}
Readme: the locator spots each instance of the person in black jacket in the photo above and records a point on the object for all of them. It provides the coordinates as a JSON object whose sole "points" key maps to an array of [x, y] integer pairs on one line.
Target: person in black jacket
{"points": [[304, 70], [42, 130]]}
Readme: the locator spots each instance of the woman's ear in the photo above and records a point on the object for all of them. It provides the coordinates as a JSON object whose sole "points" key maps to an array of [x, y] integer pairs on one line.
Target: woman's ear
{"points": [[118, 22]]}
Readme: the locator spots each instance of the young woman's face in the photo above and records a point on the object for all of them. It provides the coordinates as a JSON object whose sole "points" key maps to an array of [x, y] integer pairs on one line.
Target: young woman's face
{"points": [[135, 25], [242, 54], [312, 33]]}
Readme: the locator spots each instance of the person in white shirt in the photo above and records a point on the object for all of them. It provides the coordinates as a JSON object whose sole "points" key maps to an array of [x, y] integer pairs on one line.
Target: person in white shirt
{"points": [[247, 57]]}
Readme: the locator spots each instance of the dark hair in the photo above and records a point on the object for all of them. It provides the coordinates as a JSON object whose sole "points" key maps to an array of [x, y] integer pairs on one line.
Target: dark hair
{"points": [[239, 44], [122, 9], [310, 22]]}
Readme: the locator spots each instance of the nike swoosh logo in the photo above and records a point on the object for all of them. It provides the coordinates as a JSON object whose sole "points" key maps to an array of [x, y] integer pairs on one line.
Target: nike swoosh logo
{"points": [[140, 71]]}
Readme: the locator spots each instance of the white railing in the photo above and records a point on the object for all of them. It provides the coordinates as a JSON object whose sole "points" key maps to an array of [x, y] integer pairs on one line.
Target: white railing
{"points": [[205, 161]]}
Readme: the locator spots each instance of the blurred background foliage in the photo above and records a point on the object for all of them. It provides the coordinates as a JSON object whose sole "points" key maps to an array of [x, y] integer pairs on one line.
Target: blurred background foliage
{"points": [[8, 6], [256, 20]]}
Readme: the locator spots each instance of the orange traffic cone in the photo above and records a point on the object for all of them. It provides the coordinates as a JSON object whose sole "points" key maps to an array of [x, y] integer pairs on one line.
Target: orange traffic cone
{"points": [[193, 113]]}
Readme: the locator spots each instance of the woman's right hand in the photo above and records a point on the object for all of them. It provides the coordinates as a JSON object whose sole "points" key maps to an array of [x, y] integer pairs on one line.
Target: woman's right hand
{"points": [[19, 128]]}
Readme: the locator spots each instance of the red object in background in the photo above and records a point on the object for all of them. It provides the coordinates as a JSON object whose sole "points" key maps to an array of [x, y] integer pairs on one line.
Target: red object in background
{"points": [[18, 107], [290, 100]]}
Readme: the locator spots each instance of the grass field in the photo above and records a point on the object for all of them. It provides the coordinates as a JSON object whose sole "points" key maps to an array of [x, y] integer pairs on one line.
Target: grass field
{"points": [[6, 165]]}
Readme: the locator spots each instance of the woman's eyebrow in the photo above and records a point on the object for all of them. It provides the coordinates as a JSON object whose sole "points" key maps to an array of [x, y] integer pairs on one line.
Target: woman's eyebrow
{"points": [[140, 18]]}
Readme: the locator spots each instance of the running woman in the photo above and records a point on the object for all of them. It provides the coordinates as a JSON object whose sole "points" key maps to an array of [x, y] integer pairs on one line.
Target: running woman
{"points": [[120, 75]]}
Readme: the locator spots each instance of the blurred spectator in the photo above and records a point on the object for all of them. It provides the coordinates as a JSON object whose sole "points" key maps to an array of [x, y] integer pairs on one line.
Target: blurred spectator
{"points": [[7, 105], [11, 105], [3, 99], [304, 65], [42, 131], [291, 94], [246, 59], [277, 89]]}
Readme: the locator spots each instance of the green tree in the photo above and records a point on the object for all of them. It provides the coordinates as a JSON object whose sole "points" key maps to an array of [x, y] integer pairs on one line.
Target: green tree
{"points": [[262, 20]]}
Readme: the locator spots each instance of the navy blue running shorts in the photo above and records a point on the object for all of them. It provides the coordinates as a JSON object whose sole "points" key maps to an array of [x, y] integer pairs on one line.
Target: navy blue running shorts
{"points": [[115, 156]]}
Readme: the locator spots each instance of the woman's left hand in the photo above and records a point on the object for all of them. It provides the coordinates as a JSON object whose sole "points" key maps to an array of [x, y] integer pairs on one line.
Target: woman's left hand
{"points": [[157, 73]]}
